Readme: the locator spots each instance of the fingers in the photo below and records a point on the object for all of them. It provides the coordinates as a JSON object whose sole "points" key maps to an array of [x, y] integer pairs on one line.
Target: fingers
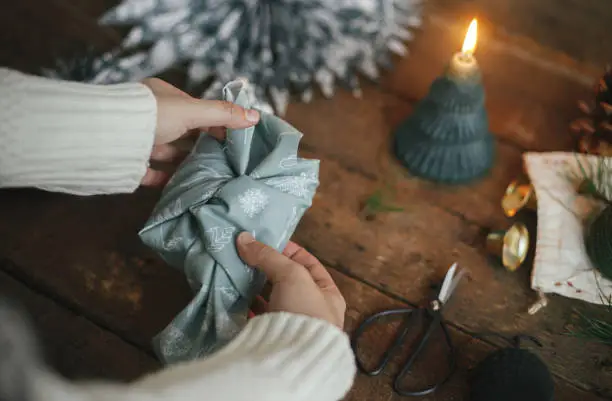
{"points": [[167, 153], [318, 272], [259, 305], [154, 178], [162, 154], [279, 266], [217, 132], [200, 113], [161, 87], [178, 113], [276, 266]]}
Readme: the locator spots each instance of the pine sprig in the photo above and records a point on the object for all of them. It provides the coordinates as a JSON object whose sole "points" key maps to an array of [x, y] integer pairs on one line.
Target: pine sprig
{"points": [[595, 328], [378, 203], [596, 181]]}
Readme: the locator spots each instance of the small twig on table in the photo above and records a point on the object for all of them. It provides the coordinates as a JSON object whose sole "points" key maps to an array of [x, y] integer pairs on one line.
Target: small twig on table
{"points": [[541, 303]]}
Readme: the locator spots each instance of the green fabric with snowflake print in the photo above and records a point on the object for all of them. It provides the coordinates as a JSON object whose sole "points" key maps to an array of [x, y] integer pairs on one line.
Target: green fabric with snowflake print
{"points": [[254, 182]]}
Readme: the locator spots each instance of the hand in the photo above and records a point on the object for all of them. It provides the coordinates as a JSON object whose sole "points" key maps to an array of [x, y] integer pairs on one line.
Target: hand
{"points": [[178, 114], [300, 283]]}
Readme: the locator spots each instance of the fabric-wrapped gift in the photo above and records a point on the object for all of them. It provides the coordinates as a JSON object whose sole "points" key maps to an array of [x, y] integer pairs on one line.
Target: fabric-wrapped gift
{"points": [[562, 265], [254, 182]]}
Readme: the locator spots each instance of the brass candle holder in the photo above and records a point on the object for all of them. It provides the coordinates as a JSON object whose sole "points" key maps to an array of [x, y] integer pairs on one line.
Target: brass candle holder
{"points": [[519, 195], [511, 246]]}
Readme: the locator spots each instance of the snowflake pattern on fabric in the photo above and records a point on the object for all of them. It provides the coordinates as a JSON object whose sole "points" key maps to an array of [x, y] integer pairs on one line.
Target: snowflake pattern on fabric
{"points": [[219, 237], [229, 293], [173, 243], [253, 201], [228, 326], [301, 185], [277, 44], [169, 212], [175, 342], [288, 162]]}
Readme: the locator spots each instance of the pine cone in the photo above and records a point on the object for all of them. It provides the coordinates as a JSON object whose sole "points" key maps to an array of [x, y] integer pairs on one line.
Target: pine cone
{"points": [[595, 129]]}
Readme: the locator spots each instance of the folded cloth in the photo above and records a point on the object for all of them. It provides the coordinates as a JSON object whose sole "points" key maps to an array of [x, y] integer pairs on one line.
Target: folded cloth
{"points": [[253, 182], [561, 264]]}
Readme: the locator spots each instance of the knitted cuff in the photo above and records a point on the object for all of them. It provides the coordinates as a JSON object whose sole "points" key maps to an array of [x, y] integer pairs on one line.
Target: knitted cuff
{"points": [[72, 137]]}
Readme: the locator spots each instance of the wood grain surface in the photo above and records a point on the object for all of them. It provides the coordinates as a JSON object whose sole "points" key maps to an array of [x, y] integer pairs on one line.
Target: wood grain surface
{"points": [[101, 295]]}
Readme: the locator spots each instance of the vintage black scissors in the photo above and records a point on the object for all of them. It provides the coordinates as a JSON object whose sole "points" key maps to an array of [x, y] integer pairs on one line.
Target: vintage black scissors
{"points": [[433, 313]]}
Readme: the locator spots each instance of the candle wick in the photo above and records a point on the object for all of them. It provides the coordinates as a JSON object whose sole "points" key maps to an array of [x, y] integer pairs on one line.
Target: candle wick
{"points": [[466, 56]]}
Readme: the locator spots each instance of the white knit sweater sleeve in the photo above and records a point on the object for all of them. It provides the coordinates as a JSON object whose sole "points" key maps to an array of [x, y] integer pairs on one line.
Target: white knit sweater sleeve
{"points": [[277, 357], [73, 137]]}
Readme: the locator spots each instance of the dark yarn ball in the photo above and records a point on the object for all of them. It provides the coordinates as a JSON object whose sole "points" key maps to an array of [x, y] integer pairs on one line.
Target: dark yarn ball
{"points": [[598, 242], [512, 374]]}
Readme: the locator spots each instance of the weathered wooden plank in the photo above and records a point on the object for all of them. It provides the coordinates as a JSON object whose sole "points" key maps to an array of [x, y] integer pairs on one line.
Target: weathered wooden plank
{"points": [[108, 274], [50, 29], [350, 239], [88, 250], [362, 301], [73, 345], [528, 104], [531, 98], [404, 252], [358, 133], [119, 292], [93, 9], [112, 279], [576, 27], [105, 291]]}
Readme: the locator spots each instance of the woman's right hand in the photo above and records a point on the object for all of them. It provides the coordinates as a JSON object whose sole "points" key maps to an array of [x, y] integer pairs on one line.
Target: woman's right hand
{"points": [[300, 283]]}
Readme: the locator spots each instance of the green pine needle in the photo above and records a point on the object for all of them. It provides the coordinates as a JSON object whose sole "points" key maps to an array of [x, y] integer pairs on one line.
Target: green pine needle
{"points": [[376, 203], [596, 182], [594, 329]]}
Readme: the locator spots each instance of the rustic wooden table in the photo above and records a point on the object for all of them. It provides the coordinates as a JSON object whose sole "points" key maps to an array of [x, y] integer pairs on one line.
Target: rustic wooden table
{"points": [[98, 295]]}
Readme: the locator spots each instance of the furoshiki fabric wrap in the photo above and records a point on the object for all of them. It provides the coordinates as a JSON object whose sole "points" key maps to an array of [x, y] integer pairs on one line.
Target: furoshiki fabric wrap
{"points": [[254, 182]]}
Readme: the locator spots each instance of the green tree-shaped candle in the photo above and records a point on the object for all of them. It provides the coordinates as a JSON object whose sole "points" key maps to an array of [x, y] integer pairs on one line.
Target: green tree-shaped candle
{"points": [[447, 137]]}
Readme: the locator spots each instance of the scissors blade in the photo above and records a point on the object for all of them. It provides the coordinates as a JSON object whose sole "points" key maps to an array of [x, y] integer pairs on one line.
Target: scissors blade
{"points": [[450, 283]]}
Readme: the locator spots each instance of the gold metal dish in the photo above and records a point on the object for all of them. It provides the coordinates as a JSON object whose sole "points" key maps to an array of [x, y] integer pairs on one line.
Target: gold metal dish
{"points": [[510, 246], [519, 196]]}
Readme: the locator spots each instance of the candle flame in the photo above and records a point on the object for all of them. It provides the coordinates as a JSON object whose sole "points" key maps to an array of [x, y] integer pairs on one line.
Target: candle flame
{"points": [[469, 44]]}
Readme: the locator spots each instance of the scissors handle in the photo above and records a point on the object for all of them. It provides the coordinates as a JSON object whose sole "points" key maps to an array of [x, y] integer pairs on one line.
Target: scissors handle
{"points": [[435, 323], [397, 342]]}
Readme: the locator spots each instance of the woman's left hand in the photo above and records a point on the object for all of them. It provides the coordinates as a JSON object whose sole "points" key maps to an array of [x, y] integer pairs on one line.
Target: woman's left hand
{"points": [[179, 114]]}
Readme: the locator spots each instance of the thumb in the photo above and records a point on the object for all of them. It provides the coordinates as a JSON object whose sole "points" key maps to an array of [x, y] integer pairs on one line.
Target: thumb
{"points": [[200, 113], [276, 266]]}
